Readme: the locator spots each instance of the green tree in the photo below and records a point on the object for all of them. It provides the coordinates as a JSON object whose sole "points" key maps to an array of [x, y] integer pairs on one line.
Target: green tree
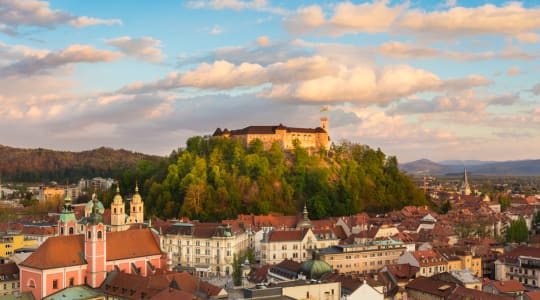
{"points": [[517, 232]]}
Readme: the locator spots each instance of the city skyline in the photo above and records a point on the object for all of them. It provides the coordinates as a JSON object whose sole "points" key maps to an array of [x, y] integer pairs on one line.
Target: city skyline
{"points": [[423, 79]]}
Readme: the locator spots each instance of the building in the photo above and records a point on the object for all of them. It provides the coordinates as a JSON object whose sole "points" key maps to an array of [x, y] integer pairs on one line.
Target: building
{"points": [[308, 138], [509, 288], [521, 264], [363, 258], [53, 194], [429, 262], [459, 259], [76, 259], [120, 220], [465, 188], [9, 279], [297, 245], [11, 242], [207, 247], [297, 289]]}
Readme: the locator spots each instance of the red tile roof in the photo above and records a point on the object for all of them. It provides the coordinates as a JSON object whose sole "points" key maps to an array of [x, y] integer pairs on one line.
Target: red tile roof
{"points": [[286, 235], [461, 293], [120, 245], [57, 252], [428, 258], [432, 286], [534, 295], [508, 286]]}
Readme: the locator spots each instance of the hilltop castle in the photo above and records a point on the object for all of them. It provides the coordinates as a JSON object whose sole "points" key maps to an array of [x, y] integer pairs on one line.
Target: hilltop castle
{"points": [[309, 138]]}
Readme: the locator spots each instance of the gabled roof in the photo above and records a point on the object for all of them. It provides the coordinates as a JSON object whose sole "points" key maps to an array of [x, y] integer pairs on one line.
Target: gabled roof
{"points": [[286, 235], [461, 293], [9, 271], [508, 286], [432, 286], [120, 245], [428, 258], [57, 252]]}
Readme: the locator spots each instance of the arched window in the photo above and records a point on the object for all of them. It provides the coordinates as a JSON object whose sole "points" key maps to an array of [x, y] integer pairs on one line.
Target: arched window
{"points": [[61, 230], [99, 235], [140, 208], [71, 230], [31, 283], [71, 281], [115, 210], [89, 234]]}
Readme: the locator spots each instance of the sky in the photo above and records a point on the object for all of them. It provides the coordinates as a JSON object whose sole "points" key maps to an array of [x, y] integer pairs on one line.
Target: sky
{"points": [[441, 80]]}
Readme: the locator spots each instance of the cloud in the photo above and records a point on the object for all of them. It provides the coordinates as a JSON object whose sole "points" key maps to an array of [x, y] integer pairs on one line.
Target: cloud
{"points": [[223, 75], [513, 71], [528, 37], [144, 48], [506, 100], [33, 13], [258, 5], [263, 41], [32, 65], [465, 101], [346, 18], [536, 89], [216, 30], [510, 19]]}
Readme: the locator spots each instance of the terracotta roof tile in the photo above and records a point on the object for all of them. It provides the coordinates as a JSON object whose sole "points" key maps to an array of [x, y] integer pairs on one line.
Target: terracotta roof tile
{"points": [[507, 286], [131, 243], [533, 295], [286, 235], [46, 256], [461, 293], [432, 286]]}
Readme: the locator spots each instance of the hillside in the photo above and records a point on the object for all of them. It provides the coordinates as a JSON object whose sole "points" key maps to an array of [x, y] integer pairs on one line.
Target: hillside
{"points": [[214, 179], [516, 168], [36, 165]]}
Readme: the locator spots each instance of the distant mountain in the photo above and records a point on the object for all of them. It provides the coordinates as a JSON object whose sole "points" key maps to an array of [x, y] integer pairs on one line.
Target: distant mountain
{"points": [[462, 163], [34, 165], [518, 167]]}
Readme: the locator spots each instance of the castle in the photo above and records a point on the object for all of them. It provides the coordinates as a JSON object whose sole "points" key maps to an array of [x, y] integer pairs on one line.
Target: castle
{"points": [[309, 138]]}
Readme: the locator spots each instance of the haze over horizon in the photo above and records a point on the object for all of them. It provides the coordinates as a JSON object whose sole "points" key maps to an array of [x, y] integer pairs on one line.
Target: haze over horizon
{"points": [[445, 80]]}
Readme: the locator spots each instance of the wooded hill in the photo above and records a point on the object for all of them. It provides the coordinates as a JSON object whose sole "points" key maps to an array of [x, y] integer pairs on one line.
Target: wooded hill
{"points": [[214, 179], [39, 165]]}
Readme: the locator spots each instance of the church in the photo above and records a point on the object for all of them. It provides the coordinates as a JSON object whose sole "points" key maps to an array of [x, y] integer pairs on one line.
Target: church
{"points": [[87, 250]]}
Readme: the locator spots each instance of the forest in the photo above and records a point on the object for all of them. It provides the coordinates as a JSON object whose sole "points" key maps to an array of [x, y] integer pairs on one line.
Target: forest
{"points": [[213, 179]]}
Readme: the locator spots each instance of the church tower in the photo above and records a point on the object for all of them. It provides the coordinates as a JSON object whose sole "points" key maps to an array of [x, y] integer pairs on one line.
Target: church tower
{"points": [[465, 187], [95, 247], [67, 222], [137, 207], [324, 124], [118, 215]]}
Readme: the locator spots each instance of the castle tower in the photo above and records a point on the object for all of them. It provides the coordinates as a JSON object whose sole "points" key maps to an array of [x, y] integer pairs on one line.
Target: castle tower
{"points": [[118, 215], [67, 222], [465, 187], [324, 124], [137, 207], [95, 247]]}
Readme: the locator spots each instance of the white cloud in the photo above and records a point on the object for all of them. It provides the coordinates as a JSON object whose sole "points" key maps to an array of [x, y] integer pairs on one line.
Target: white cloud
{"points": [[31, 65], [513, 71], [14, 14], [346, 18], [144, 48], [258, 5], [263, 41], [216, 30]]}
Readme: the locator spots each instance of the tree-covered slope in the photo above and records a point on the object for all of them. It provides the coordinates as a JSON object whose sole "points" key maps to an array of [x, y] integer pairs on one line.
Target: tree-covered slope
{"points": [[37, 165], [213, 179]]}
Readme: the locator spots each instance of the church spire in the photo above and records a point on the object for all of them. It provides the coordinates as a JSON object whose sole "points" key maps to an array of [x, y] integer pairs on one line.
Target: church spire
{"points": [[465, 187]]}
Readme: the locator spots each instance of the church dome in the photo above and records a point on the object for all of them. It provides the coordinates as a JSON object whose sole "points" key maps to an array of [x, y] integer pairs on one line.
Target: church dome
{"points": [[137, 197], [118, 198], [90, 204], [315, 268]]}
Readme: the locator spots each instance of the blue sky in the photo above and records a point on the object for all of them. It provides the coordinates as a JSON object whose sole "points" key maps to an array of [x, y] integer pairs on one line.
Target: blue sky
{"points": [[419, 79]]}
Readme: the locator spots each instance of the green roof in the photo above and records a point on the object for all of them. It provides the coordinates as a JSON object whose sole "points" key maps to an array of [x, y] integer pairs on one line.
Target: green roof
{"points": [[315, 268], [75, 292]]}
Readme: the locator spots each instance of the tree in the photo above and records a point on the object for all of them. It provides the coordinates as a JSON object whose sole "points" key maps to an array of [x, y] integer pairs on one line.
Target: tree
{"points": [[517, 232], [237, 270]]}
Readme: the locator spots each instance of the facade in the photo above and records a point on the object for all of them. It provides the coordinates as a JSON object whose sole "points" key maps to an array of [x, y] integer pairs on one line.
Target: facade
{"points": [[53, 194], [429, 262], [70, 260], [521, 264], [309, 138], [207, 247], [297, 245], [9, 279], [11, 242], [460, 259], [120, 220], [367, 258]]}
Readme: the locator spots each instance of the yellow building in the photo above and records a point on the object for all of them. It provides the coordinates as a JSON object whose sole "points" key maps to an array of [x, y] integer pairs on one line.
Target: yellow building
{"points": [[10, 243], [460, 259], [309, 138], [50, 194], [365, 258]]}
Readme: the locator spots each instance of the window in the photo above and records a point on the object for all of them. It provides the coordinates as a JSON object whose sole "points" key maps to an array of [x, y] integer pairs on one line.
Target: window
{"points": [[71, 281], [89, 234], [31, 283], [71, 230], [55, 284], [99, 235]]}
